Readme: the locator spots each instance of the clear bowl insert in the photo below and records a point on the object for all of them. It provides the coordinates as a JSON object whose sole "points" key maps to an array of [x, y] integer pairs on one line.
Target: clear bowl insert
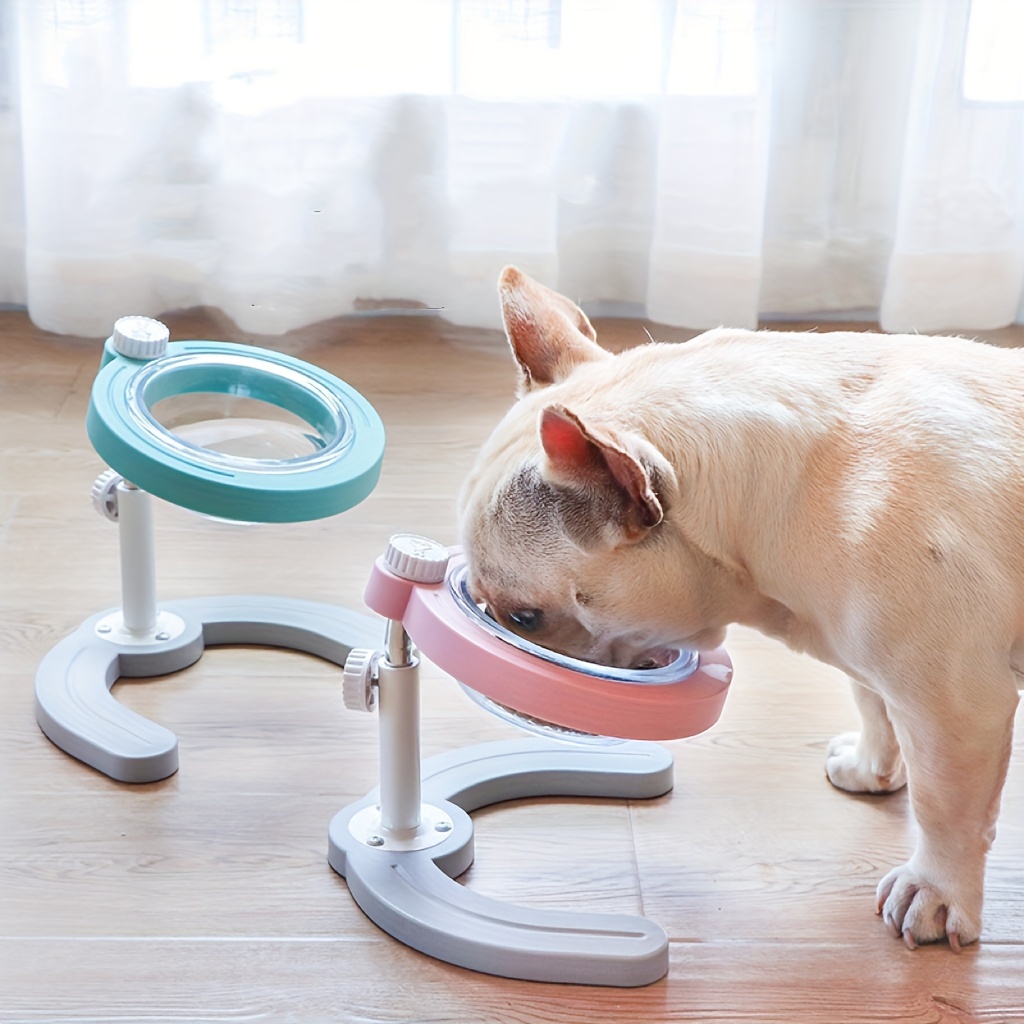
{"points": [[244, 428], [239, 410]]}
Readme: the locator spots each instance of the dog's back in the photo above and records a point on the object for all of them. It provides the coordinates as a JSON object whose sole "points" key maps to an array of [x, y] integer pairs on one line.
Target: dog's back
{"points": [[881, 463]]}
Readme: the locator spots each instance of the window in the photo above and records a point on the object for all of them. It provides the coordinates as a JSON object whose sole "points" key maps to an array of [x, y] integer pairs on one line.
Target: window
{"points": [[714, 50]]}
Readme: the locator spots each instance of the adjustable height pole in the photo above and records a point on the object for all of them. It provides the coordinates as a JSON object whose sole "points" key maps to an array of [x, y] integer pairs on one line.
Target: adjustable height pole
{"points": [[138, 561], [398, 690]]}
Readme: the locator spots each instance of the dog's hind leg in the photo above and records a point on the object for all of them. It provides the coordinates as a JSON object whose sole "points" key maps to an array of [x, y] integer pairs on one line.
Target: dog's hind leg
{"points": [[868, 761], [956, 739]]}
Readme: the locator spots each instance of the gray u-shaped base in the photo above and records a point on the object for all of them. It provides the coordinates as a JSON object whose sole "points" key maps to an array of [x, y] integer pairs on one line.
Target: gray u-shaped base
{"points": [[412, 895], [76, 710]]}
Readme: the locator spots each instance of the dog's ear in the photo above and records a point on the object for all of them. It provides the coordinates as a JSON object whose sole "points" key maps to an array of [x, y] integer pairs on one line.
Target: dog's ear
{"points": [[599, 463], [549, 335]]}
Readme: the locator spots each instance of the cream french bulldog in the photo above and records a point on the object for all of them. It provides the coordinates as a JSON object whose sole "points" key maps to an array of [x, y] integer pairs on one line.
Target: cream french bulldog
{"points": [[859, 496]]}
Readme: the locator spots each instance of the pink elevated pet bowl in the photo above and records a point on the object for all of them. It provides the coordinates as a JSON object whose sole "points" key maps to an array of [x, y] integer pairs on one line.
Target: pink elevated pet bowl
{"points": [[402, 847], [542, 690]]}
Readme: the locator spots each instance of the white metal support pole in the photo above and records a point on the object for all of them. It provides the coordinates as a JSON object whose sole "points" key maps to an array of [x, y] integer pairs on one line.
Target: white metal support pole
{"points": [[138, 561], [398, 708]]}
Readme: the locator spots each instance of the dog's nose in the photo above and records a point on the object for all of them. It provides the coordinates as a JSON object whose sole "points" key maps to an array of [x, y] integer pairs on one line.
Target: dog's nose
{"points": [[658, 657]]}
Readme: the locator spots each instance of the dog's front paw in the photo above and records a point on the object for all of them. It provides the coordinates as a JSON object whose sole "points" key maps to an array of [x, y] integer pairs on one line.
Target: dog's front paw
{"points": [[849, 768], [917, 909]]}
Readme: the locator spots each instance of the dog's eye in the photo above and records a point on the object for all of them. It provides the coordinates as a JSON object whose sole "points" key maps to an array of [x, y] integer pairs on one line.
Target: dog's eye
{"points": [[529, 620]]}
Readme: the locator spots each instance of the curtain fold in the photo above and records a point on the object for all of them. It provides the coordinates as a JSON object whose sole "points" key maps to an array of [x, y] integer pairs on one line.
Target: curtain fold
{"points": [[700, 162]]}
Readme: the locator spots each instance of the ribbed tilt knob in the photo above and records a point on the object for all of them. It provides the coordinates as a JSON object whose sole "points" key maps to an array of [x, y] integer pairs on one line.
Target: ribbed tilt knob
{"points": [[417, 559]]}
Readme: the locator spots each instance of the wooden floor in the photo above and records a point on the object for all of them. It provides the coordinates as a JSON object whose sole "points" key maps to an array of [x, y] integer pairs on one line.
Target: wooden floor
{"points": [[208, 897]]}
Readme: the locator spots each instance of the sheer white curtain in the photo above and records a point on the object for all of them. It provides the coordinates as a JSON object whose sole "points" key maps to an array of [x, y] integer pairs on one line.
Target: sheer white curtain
{"points": [[703, 161]]}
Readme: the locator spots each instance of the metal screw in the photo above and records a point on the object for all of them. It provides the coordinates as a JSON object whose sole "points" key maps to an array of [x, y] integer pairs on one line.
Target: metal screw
{"points": [[163, 636], [375, 841], [443, 826]]}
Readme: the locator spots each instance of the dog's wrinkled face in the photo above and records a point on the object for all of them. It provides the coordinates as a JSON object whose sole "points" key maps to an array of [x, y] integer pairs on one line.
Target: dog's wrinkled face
{"points": [[561, 518]]}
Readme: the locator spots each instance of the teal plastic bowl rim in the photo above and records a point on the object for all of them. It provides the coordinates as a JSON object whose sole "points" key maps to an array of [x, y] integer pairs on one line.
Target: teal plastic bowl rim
{"points": [[313, 486]]}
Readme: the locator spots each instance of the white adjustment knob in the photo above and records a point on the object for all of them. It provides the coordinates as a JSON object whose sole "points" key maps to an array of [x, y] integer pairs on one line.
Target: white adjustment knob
{"points": [[358, 678], [140, 337], [104, 493], [417, 559]]}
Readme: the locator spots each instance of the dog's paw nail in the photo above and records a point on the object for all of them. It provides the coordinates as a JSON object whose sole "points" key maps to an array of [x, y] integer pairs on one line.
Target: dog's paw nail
{"points": [[954, 942], [908, 939]]}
